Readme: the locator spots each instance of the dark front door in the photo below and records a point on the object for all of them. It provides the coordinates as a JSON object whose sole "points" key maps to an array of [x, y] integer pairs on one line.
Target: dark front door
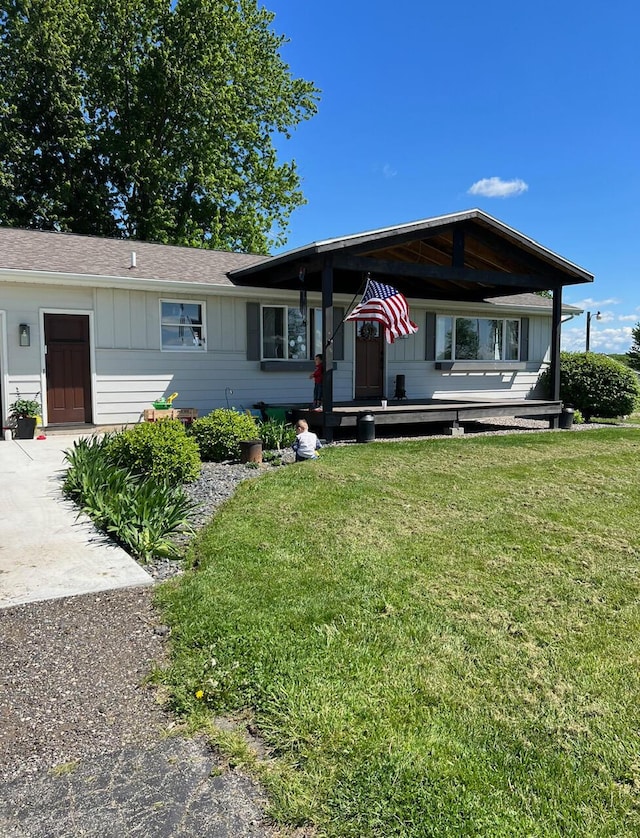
{"points": [[68, 368], [369, 360]]}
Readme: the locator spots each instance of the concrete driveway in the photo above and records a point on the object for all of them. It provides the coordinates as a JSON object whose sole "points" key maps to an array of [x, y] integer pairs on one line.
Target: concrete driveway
{"points": [[45, 550]]}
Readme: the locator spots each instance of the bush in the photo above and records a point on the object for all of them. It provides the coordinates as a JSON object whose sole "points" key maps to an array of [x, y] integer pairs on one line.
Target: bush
{"points": [[160, 450], [596, 385], [219, 434]]}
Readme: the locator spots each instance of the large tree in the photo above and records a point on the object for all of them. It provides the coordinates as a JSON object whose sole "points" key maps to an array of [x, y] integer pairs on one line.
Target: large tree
{"points": [[633, 355], [148, 119]]}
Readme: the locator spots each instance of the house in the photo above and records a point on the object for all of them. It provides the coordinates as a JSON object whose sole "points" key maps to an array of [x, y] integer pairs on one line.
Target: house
{"points": [[100, 328]]}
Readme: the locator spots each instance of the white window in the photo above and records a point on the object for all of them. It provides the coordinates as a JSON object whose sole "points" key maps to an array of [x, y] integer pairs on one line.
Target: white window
{"points": [[182, 326], [288, 335], [477, 339]]}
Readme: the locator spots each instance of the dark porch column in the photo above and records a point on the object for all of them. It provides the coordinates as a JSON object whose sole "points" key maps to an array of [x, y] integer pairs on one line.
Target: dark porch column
{"points": [[556, 318], [327, 342]]}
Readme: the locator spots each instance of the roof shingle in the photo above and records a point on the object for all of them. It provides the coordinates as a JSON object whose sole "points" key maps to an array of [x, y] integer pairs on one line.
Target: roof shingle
{"points": [[67, 253]]}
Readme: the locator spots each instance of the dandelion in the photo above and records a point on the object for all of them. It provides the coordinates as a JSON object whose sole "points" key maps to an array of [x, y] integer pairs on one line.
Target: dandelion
{"points": [[199, 694]]}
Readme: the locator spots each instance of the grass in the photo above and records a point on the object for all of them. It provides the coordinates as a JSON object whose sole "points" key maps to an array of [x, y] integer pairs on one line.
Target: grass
{"points": [[435, 638]]}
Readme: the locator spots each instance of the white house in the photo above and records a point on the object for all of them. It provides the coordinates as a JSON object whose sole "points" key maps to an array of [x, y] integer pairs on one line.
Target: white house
{"points": [[100, 328]]}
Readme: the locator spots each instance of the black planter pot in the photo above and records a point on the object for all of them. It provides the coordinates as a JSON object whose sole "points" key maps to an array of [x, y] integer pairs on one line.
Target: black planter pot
{"points": [[26, 427]]}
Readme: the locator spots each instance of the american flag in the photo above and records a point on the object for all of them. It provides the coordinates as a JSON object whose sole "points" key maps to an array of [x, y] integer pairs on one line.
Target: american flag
{"points": [[385, 305]]}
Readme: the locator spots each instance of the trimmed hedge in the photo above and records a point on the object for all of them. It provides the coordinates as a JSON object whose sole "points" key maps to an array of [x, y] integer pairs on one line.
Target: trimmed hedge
{"points": [[160, 450], [596, 385]]}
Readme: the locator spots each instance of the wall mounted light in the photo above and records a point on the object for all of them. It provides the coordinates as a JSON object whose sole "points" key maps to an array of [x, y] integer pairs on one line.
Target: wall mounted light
{"points": [[25, 335]]}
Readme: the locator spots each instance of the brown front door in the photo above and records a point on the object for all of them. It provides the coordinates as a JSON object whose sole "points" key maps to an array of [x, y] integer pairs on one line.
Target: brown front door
{"points": [[68, 368], [369, 360]]}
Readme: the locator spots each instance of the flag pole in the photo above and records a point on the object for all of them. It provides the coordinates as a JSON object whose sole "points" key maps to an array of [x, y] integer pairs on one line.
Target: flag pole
{"points": [[358, 292]]}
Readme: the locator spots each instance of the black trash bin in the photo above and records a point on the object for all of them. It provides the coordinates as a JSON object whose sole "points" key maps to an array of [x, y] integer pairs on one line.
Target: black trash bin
{"points": [[365, 427], [566, 418]]}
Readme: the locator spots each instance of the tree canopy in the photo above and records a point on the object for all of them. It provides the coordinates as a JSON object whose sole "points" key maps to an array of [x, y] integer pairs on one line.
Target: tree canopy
{"points": [[148, 119]]}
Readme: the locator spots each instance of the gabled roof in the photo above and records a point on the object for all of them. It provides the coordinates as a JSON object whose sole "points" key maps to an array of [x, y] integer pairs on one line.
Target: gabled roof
{"points": [[462, 256], [467, 256]]}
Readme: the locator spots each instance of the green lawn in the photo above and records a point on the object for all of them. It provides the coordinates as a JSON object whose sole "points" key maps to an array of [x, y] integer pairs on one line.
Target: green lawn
{"points": [[435, 638]]}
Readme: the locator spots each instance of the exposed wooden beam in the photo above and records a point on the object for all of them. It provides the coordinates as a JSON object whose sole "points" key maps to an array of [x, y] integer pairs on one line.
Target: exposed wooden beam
{"points": [[457, 257], [444, 273], [399, 238]]}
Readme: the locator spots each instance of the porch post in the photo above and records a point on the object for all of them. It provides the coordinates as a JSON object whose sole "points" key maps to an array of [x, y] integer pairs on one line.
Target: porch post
{"points": [[556, 318], [327, 343]]}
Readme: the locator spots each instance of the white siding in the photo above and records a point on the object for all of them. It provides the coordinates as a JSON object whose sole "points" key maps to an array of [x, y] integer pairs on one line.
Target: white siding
{"points": [[131, 371], [23, 303]]}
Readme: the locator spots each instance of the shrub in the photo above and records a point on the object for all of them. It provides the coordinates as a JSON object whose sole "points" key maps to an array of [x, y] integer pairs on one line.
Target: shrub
{"points": [[160, 450], [276, 435], [219, 434], [596, 385]]}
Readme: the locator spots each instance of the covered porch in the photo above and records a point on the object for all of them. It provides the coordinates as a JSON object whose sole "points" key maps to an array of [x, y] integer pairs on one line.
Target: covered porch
{"points": [[464, 258]]}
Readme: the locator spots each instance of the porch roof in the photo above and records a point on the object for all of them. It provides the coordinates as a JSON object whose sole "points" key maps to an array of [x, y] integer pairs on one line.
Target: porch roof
{"points": [[462, 256]]}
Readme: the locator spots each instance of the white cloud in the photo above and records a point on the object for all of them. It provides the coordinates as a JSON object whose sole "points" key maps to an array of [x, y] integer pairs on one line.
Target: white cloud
{"points": [[631, 318], [600, 340], [594, 305], [385, 169], [495, 187]]}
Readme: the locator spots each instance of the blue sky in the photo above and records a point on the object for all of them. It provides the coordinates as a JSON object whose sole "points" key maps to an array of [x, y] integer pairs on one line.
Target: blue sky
{"points": [[535, 104]]}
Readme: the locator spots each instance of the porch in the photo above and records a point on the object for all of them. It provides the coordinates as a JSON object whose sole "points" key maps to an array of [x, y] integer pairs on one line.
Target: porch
{"points": [[451, 413], [452, 263]]}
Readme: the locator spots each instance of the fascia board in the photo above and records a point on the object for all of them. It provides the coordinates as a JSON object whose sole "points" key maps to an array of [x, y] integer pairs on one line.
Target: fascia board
{"points": [[159, 285]]}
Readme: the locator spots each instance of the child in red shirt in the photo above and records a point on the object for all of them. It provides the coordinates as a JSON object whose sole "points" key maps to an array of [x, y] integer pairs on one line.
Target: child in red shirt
{"points": [[317, 383]]}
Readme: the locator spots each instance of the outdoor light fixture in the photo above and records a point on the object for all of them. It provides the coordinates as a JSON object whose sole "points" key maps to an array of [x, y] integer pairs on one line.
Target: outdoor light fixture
{"points": [[25, 335], [598, 316]]}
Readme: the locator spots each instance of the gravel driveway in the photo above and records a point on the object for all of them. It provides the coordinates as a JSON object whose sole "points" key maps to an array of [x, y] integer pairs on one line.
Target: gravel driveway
{"points": [[83, 744]]}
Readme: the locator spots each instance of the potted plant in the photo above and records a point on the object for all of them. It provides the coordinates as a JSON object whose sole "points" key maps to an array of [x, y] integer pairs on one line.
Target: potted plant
{"points": [[25, 414]]}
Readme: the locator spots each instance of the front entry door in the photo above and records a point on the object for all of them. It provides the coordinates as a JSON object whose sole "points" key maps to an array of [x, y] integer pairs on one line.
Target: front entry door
{"points": [[369, 360], [68, 368]]}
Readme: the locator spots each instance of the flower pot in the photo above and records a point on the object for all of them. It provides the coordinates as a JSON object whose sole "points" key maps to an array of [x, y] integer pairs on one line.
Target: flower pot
{"points": [[25, 427], [251, 451]]}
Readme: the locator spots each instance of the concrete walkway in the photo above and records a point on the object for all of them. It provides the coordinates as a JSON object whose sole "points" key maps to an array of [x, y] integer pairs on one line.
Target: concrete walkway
{"points": [[45, 550]]}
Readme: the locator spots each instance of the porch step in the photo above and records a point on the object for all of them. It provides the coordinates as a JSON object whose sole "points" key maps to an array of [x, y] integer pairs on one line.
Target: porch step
{"points": [[70, 428]]}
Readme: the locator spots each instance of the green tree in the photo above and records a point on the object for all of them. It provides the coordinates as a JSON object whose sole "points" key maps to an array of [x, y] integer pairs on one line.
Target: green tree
{"points": [[633, 355], [148, 119], [49, 175]]}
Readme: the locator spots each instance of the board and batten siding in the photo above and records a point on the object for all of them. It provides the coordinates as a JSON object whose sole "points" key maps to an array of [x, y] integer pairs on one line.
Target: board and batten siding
{"points": [[24, 303], [132, 371], [131, 320]]}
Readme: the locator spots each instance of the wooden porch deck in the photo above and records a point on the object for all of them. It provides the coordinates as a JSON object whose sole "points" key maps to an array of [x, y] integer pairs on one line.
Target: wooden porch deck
{"points": [[451, 413]]}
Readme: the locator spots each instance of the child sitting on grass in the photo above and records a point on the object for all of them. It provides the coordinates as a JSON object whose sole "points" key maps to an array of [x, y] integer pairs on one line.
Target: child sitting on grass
{"points": [[306, 443]]}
